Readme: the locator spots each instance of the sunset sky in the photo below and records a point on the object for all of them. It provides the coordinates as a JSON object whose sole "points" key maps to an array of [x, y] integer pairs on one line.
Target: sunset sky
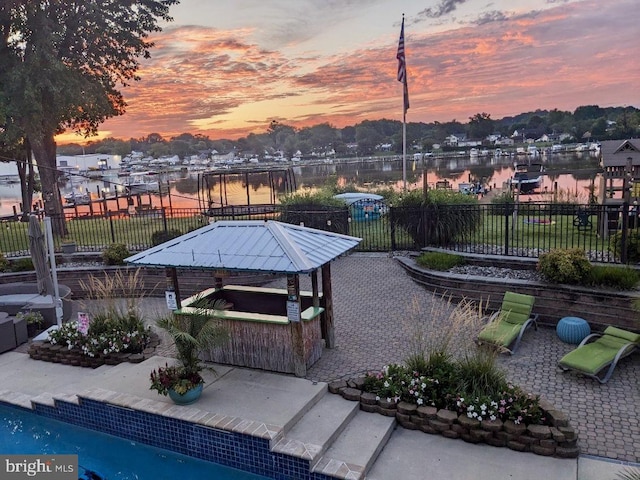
{"points": [[226, 69]]}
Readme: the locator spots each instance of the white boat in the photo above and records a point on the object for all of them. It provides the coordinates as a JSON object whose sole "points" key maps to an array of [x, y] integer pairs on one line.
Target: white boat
{"points": [[527, 177], [141, 182], [77, 198]]}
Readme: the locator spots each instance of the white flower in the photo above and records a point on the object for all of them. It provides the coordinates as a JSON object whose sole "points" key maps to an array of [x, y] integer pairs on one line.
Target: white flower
{"points": [[424, 385], [377, 398], [470, 408], [479, 419], [420, 401], [483, 407], [386, 384], [492, 417]]}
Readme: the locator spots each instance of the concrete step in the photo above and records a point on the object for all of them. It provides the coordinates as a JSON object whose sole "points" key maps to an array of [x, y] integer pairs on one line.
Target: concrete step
{"points": [[310, 437], [356, 449]]}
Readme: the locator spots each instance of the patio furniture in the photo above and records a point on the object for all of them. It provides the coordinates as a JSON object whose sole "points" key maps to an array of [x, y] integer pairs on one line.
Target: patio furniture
{"points": [[7, 333], [582, 220], [573, 329], [20, 330], [599, 351], [24, 296], [507, 325]]}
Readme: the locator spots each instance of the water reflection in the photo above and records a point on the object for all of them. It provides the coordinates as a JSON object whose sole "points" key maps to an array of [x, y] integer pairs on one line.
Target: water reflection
{"points": [[572, 174]]}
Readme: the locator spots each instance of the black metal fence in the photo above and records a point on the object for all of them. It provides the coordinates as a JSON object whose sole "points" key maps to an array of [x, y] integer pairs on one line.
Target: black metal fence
{"points": [[607, 234]]}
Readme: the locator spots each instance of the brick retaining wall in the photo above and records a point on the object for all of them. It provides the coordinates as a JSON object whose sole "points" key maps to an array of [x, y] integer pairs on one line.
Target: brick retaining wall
{"points": [[599, 307]]}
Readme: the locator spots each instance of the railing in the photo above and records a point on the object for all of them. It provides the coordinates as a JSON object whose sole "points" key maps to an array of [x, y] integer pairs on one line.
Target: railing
{"points": [[524, 230]]}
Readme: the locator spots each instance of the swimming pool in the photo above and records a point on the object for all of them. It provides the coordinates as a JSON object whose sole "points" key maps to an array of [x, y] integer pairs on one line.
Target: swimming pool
{"points": [[113, 458]]}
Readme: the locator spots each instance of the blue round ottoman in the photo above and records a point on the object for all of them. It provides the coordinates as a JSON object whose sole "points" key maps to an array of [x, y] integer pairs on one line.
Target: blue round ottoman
{"points": [[573, 329]]}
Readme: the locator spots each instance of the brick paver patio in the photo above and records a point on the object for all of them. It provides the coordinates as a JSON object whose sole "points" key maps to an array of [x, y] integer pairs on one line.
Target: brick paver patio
{"points": [[373, 299]]}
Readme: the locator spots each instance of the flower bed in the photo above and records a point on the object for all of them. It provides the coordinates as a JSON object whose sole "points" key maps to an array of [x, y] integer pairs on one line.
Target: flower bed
{"points": [[555, 438], [75, 356]]}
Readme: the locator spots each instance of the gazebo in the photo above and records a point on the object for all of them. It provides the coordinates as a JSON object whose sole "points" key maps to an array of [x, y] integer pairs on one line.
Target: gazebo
{"points": [[272, 329]]}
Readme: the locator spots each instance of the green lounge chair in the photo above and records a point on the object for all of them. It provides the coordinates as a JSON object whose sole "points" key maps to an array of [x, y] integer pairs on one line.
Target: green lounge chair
{"points": [[599, 351], [507, 325]]}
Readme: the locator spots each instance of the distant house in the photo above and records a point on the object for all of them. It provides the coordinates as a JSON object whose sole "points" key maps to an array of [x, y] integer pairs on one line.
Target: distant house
{"points": [[505, 141], [455, 139]]}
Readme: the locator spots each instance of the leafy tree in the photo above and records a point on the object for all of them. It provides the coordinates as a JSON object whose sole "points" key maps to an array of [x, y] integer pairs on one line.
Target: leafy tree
{"points": [[367, 138], [481, 125], [61, 63], [587, 112]]}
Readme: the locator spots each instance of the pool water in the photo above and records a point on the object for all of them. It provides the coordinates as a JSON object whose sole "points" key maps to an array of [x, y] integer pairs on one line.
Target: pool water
{"points": [[113, 458]]}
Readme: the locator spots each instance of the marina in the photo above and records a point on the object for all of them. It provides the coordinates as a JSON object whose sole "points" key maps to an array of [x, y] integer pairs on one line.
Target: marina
{"points": [[566, 175]]}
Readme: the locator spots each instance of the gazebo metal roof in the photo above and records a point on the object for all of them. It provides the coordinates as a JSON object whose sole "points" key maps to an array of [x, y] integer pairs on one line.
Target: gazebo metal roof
{"points": [[249, 245]]}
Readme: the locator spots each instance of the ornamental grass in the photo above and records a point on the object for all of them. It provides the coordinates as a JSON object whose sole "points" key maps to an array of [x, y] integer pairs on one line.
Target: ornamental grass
{"points": [[446, 369]]}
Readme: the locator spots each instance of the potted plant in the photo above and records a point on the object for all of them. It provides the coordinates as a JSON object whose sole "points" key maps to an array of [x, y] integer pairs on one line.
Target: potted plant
{"points": [[192, 333], [34, 320]]}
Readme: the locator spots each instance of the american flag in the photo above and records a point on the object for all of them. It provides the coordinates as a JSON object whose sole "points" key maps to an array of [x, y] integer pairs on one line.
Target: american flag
{"points": [[402, 67]]}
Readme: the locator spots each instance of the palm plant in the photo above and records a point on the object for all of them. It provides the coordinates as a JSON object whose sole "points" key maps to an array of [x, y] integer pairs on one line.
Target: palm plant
{"points": [[191, 333]]}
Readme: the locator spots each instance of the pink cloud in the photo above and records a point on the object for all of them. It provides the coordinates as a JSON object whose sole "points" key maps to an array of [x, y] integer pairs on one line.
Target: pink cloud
{"points": [[502, 64]]}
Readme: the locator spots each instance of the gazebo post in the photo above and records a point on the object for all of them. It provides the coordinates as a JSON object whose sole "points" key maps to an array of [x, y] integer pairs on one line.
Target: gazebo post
{"points": [[326, 324], [314, 288], [172, 284], [293, 314]]}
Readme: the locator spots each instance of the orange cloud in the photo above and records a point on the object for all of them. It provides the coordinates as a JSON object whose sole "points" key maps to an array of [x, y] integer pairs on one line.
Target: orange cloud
{"points": [[219, 83]]}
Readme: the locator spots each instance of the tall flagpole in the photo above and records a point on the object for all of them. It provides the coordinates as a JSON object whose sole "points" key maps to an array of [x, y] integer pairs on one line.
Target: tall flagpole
{"points": [[404, 150], [402, 77]]}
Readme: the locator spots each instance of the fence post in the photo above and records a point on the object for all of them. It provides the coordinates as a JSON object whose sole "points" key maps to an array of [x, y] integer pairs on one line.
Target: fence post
{"points": [[507, 214], [393, 229], [164, 219], [624, 236], [113, 232]]}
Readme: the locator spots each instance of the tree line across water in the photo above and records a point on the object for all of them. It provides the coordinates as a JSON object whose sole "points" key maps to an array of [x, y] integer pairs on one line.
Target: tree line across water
{"points": [[369, 136]]}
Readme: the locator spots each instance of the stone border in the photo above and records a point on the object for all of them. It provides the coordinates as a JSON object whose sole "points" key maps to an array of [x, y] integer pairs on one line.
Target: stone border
{"points": [[47, 352], [558, 440]]}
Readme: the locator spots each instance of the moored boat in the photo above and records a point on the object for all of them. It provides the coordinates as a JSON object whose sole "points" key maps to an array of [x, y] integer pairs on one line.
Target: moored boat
{"points": [[141, 182], [527, 177]]}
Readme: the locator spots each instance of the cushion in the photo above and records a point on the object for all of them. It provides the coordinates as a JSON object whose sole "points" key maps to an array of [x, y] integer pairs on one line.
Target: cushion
{"points": [[500, 333], [620, 333], [590, 358], [517, 307]]}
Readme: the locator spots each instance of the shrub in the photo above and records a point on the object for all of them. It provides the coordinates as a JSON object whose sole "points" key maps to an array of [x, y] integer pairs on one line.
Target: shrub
{"points": [[439, 219], [24, 264], [4, 263], [161, 236], [417, 363], [633, 245], [315, 210], [619, 278], [440, 260], [565, 266], [115, 254], [479, 375]]}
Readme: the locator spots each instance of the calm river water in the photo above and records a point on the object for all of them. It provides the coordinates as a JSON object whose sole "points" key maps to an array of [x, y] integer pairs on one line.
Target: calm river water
{"points": [[568, 175]]}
